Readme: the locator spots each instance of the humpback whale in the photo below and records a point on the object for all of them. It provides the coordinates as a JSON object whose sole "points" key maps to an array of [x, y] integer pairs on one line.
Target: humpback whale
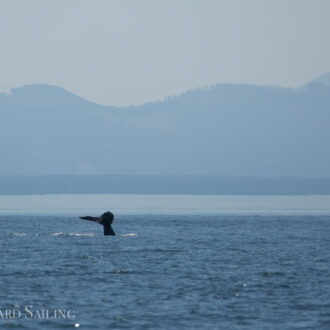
{"points": [[105, 219]]}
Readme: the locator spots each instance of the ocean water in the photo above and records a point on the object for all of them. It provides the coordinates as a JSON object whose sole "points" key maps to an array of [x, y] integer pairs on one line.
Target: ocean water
{"points": [[166, 271]]}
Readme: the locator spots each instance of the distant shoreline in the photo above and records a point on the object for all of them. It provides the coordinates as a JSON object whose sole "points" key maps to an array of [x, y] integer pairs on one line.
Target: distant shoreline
{"points": [[161, 185]]}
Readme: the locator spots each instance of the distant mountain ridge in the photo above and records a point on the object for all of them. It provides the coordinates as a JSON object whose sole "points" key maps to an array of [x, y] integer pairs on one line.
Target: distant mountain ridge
{"points": [[46, 95], [50, 94], [324, 79], [227, 130]]}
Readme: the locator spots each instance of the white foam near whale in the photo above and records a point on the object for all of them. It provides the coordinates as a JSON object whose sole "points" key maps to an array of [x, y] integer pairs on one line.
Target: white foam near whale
{"points": [[72, 234], [17, 234]]}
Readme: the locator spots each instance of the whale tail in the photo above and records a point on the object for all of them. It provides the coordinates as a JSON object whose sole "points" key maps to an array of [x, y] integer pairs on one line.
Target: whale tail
{"points": [[105, 219], [108, 230]]}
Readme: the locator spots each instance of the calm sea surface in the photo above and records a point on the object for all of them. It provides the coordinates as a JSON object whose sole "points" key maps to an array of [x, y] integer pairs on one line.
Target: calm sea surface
{"points": [[210, 262]]}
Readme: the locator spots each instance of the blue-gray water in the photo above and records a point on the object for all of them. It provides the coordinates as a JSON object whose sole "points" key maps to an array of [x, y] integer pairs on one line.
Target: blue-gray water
{"points": [[167, 272]]}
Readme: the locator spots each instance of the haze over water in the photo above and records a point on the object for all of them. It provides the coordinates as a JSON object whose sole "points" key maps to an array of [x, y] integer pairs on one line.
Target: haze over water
{"points": [[165, 204]]}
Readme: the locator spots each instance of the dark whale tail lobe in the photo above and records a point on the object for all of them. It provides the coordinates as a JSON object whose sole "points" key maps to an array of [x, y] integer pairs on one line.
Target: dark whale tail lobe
{"points": [[106, 219], [108, 231]]}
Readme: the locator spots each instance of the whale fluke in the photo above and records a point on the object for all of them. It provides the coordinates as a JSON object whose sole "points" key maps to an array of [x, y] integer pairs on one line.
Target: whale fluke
{"points": [[105, 219]]}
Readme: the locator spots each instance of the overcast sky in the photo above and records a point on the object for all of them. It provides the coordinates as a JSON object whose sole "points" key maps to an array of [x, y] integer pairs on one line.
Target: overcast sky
{"points": [[121, 52]]}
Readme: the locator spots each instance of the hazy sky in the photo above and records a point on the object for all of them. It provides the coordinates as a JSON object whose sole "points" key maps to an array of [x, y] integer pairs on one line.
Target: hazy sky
{"points": [[121, 52]]}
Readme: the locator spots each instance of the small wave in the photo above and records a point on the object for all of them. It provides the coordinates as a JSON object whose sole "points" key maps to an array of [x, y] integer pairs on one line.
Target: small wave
{"points": [[72, 234], [86, 235], [129, 234], [17, 234]]}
